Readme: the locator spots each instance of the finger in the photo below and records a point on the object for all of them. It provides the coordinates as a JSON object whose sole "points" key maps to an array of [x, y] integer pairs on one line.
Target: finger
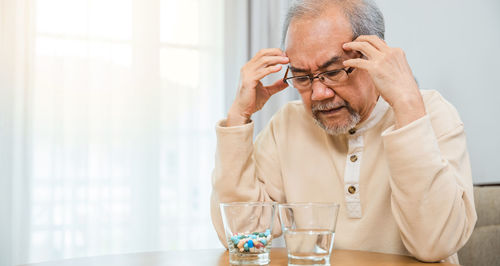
{"points": [[357, 63], [277, 86], [364, 47], [261, 73], [272, 60], [269, 51], [378, 43]]}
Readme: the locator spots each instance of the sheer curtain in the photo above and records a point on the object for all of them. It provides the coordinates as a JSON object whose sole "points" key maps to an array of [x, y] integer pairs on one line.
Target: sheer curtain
{"points": [[107, 128], [255, 25]]}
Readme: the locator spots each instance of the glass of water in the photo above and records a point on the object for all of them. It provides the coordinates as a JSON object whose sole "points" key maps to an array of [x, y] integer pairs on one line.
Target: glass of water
{"points": [[248, 227], [309, 230]]}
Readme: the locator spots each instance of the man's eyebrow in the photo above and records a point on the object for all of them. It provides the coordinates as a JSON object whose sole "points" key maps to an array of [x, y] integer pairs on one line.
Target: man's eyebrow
{"points": [[295, 70], [328, 63]]}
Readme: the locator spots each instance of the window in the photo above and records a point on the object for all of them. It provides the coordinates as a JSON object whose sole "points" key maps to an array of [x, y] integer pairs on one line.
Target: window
{"points": [[123, 102]]}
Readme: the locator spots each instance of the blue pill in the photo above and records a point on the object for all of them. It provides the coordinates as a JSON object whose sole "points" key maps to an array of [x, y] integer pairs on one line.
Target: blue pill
{"points": [[253, 236], [263, 241], [268, 232], [250, 244], [245, 246], [235, 239]]}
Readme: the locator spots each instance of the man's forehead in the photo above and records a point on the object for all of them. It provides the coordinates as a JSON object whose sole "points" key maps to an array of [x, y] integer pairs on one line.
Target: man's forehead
{"points": [[310, 58], [326, 63], [312, 42], [317, 31]]}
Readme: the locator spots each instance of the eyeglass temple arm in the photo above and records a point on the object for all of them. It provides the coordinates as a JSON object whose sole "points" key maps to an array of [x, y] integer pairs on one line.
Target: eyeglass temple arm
{"points": [[286, 73]]}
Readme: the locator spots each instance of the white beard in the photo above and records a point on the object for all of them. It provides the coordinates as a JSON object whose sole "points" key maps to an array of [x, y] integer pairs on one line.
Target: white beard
{"points": [[339, 129]]}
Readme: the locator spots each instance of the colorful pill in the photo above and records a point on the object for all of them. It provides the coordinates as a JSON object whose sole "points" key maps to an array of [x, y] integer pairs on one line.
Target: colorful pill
{"points": [[241, 243]]}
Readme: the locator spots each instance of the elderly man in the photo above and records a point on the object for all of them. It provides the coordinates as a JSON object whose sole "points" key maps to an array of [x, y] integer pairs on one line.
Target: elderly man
{"points": [[364, 136]]}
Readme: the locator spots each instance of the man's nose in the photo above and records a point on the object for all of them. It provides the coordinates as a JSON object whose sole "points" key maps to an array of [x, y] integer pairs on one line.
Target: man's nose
{"points": [[320, 91]]}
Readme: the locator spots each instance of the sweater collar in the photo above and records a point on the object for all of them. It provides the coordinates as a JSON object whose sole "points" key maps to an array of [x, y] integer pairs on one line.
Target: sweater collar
{"points": [[376, 115]]}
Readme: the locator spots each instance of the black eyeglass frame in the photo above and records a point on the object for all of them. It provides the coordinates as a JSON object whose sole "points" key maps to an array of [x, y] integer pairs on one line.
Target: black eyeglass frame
{"points": [[313, 77]]}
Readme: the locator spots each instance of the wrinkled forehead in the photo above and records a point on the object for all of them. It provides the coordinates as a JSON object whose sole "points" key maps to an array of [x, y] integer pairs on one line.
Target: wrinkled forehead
{"points": [[311, 41]]}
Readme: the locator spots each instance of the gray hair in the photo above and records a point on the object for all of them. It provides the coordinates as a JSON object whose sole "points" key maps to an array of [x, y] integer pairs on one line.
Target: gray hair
{"points": [[364, 15]]}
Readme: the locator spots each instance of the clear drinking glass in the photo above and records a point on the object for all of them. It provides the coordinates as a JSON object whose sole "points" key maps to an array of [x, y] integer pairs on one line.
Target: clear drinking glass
{"points": [[248, 227], [309, 230]]}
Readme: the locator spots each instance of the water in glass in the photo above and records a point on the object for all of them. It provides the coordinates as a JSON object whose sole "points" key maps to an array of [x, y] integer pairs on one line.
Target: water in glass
{"points": [[309, 246]]}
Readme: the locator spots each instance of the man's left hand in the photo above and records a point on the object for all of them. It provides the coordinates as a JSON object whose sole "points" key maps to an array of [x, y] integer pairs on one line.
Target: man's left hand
{"points": [[391, 75]]}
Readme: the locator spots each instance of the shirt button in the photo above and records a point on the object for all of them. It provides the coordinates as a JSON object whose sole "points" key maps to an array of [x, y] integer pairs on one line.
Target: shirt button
{"points": [[351, 189], [352, 131], [354, 158]]}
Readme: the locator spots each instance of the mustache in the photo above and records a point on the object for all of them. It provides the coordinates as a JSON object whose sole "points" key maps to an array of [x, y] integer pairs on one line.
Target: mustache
{"points": [[328, 106]]}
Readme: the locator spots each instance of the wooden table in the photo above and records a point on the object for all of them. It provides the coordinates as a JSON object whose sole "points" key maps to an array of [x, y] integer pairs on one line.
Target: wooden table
{"points": [[218, 257]]}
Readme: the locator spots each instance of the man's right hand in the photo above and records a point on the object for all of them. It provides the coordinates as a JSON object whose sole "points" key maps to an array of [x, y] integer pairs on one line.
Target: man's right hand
{"points": [[252, 95]]}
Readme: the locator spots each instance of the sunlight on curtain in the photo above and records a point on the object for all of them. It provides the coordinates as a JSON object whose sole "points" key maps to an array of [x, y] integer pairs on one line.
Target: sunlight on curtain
{"points": [[124, 97]]}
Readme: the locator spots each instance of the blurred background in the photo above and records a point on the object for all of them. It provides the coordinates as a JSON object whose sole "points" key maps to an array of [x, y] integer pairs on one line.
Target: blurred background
{"points": [[108, 109]]}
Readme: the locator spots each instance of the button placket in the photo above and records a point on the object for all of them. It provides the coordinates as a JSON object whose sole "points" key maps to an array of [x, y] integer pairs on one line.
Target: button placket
{"points": [[352, 168], [351, 176]]}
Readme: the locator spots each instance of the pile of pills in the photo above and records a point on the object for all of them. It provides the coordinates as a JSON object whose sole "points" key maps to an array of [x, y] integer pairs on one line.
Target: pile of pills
{"points": [[254, 242]]}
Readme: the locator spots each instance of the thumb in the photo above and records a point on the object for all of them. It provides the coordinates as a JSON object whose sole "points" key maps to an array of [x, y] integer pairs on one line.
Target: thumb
{"points": [[277, 86]]}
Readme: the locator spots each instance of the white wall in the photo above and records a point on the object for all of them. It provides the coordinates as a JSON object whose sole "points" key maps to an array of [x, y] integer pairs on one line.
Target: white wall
{"points": [[453, 46]]}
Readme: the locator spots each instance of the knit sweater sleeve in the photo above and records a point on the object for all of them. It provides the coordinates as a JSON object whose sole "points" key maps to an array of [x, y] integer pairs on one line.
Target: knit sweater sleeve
{"points": [[432, 195], [245, 171]]}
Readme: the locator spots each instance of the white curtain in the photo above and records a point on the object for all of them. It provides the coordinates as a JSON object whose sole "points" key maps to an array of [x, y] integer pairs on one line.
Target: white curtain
{"points": [[256, 24], [107, 126]]}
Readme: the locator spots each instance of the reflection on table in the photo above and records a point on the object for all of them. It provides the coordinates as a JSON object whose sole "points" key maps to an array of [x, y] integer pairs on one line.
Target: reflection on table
{"points": [[219, 257]]}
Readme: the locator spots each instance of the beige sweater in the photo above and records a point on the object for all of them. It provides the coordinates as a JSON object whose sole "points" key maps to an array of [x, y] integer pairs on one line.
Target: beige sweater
{"points": [[413, 186]]}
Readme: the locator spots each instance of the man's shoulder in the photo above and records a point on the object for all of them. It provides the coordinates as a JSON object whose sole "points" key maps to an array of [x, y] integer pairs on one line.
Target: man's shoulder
{"points": [[293, 109], [431, 95], [435, 102], [290, 123], [292, 115], [444, 116], [296, 107]]}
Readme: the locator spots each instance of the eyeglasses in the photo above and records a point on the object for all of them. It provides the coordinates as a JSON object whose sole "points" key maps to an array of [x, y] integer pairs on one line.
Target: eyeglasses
{"points": [[329, 78]]}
